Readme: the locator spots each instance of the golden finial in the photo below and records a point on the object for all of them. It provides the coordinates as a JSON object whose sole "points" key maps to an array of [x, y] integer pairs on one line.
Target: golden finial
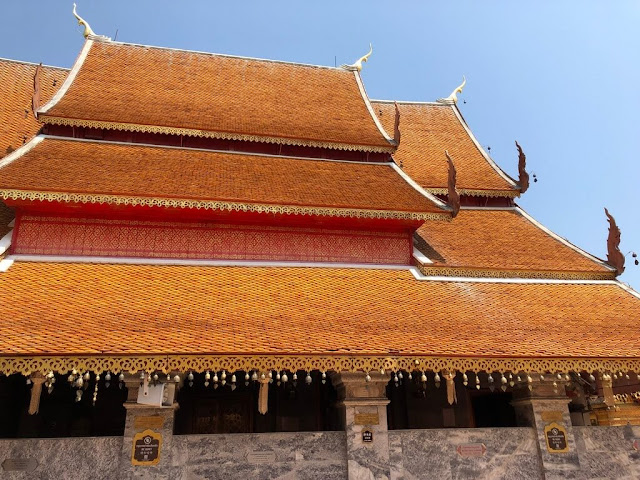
{"points": [[81, 21], [453, 98], [357, 66]]}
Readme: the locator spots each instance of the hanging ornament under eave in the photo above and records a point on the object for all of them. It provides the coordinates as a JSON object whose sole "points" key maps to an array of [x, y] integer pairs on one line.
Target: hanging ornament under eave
{"points": [[95, 391]]}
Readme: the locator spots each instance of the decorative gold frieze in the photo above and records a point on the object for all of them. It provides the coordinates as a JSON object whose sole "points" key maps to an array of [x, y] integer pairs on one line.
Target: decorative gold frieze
{"points": [[494, 273], [217, 205], [339, 363], [190, 132], [477, 193]]}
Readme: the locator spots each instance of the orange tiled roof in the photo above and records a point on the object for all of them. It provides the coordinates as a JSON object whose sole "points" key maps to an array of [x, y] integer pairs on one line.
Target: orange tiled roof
{"points": [[17, 123], [236, 97], [116, 173], [499, 239], [75, 309], [427, 131]]}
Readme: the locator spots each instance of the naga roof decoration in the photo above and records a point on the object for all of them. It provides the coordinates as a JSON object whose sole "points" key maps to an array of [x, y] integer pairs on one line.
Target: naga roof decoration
{"points": [[396, 125], [523, 176], [452, 194], [430, 128], [138, 88], [71, 170], [35, 99], [506, 243], [204, 316], [615, 258]]}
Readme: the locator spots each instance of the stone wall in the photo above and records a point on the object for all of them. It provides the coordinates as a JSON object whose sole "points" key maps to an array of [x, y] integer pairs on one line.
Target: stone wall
{"points": [[61, 458], [605, 453], [511, 453], [608, 453], [300, 456]]}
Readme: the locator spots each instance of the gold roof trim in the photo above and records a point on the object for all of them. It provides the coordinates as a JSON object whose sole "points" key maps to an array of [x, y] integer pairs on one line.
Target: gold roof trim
{"points": [[494, 273], [217, 205], [27, 365], [476, 193], [190, 132]]}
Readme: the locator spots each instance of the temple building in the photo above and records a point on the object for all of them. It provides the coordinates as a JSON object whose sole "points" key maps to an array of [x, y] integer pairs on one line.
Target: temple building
{"points": [[227, 267]]}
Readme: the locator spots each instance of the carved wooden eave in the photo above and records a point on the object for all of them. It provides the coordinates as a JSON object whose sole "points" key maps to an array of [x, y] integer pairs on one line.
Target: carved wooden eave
{"points": [[28, 365]]}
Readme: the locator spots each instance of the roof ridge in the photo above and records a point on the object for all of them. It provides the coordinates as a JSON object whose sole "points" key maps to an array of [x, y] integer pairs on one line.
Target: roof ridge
{"points": [[226, 55], [412, 102], [24, 62]]}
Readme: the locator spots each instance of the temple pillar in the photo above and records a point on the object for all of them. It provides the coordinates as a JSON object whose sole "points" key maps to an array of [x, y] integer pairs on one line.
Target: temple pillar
{"points": [[365, 420], [544, 405], [148, 437]]}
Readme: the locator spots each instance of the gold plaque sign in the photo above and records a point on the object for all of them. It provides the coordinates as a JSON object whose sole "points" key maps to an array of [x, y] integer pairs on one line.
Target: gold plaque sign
{"points": [[551, 416], [153, 422], [556, 437], [146, 448], [366, 419]]}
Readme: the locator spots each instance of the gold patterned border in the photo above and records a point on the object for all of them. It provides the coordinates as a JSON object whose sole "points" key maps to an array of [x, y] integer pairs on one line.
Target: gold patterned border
{"points": [[323, 363], [191, 132], [495, 273], [218, 205], [477, 193]]}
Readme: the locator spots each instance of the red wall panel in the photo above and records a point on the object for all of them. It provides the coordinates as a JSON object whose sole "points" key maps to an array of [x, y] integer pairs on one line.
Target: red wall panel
{"points": [[44, 235]]}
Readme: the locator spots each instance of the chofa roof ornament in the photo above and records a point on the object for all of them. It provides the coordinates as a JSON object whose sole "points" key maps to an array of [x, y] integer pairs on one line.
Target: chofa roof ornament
{"points": [[357, 66], [615, 258], [88, 31], [453, 98]]}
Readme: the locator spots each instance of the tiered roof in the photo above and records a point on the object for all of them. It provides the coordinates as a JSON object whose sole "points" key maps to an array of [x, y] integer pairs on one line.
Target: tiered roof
{"points": [[176, 315], [428, 129], [502, 242], [70, 170], [300, 313], [149, 89]]}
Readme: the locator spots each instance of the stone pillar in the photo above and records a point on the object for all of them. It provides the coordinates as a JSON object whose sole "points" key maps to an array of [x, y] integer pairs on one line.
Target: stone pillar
{"points": [[365, 421], [144, 418], [545, 407]]}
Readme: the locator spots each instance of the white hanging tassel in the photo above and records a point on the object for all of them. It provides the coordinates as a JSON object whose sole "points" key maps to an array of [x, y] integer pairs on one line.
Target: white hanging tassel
{"points": [[263, 396], [34, 404], [451, 387]]}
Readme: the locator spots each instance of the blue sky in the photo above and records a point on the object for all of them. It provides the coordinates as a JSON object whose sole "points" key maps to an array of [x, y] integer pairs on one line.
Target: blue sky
{"points": [[562, 78]]}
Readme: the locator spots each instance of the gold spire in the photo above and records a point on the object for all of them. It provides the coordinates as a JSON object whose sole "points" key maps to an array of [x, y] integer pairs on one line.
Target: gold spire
{"points": [[357, 66], [81, 21], [453, 98]]}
